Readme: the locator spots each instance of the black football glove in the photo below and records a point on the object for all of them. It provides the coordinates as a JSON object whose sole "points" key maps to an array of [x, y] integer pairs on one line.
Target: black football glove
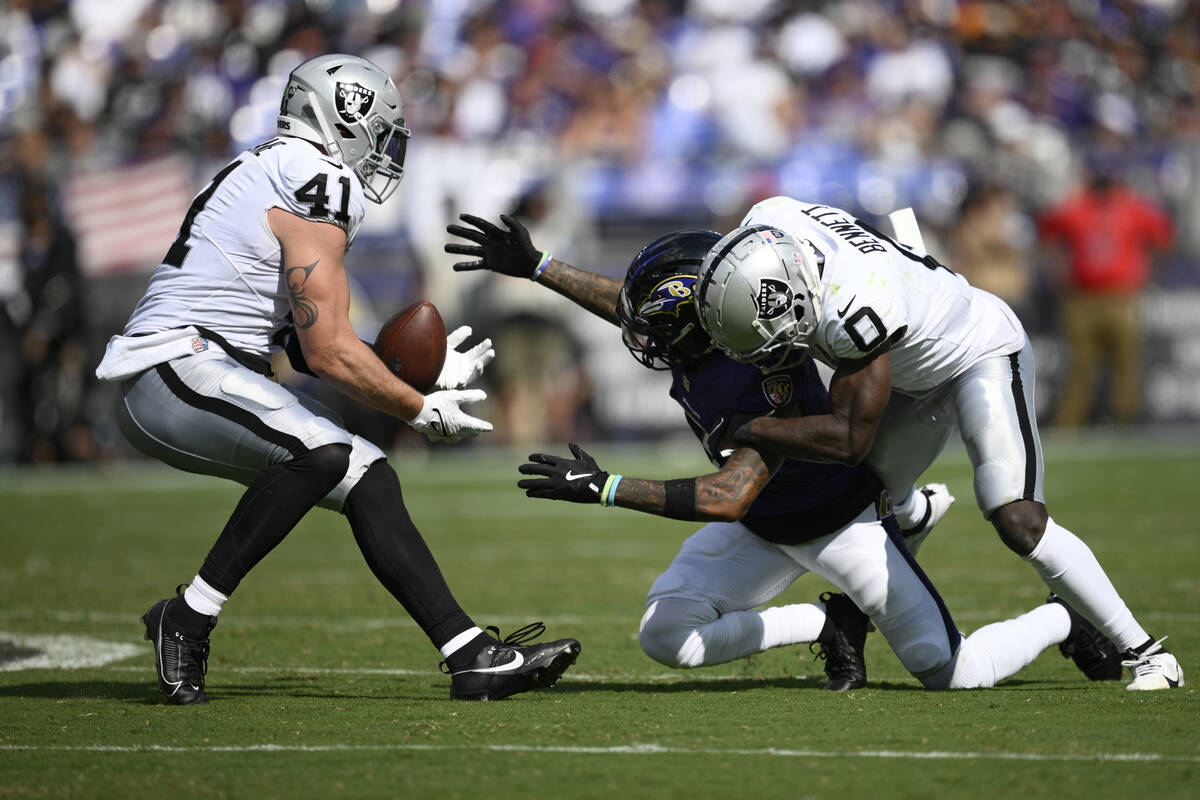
{"points": [[721, 443], [507, 252], [578, 480]]}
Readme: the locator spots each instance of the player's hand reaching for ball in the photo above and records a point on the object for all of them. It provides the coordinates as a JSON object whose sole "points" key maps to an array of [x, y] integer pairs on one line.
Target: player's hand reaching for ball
{"points": [[462, 367], [442, 419], [578, 480], [509, 252]]}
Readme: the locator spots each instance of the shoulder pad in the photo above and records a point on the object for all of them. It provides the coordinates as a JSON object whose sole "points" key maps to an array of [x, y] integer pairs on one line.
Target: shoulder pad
{"points": [[860, 320], [315, 186]]}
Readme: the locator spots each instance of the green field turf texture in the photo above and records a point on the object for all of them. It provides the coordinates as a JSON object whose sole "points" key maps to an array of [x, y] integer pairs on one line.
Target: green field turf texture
{"points": [[322, 686]]}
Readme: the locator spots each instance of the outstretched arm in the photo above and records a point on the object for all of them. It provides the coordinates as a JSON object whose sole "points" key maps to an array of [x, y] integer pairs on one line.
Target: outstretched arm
{"points": [[724, 495], [597, 293], [858, 395], [510, 252]]}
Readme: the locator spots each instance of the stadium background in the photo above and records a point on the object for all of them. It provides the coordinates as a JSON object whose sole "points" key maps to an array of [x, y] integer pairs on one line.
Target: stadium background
{"points": [[602, 123]]}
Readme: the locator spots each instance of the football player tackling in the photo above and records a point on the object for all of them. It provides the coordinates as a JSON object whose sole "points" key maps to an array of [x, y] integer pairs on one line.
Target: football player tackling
{"points": [[259, 258], [917, 352], [769, 520]]}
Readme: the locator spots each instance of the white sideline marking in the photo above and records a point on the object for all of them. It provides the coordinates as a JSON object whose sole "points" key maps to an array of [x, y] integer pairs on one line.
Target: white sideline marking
{"points": [[65, 652], [636, 749]]}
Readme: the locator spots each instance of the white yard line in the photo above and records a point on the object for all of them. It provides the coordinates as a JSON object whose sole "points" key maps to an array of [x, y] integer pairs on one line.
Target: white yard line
{"points": [[582, 677], [357, 624], [344, 624], [635, 749]]}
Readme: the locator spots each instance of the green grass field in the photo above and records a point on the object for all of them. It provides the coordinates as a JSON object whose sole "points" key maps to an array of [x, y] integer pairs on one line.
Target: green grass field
{"points": [[322, 687]]}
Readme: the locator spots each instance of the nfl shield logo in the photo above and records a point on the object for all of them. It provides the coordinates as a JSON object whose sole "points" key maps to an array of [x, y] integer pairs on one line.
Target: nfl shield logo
{"points": [[353, 101], [199, 344], [778, 389]]}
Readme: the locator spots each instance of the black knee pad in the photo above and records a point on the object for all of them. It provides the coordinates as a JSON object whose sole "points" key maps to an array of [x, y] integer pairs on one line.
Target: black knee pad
{"points": [[326, 464], [378, 485]]}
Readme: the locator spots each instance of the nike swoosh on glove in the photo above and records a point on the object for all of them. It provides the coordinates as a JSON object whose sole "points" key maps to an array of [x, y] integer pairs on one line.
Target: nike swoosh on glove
{"points": [[576, 480], [443, 420], [463, 367]]}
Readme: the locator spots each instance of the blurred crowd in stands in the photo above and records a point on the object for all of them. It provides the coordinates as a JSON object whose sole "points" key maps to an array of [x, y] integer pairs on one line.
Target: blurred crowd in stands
{"points": [[606, 121]]}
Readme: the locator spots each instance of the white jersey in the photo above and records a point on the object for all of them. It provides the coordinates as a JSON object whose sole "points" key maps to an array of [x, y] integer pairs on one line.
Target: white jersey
{"points": [[877, 291], [223, 272]]}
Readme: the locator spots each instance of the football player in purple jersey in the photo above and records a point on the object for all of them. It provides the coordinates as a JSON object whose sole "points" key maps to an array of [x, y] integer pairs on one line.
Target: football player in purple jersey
{"points": [[767, 520]]}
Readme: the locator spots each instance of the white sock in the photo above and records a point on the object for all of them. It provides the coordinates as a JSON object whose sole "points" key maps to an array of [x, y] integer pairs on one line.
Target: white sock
{"points": [[1003, 648], [912, 510], [458, 641], [1071, 570], [742, 633], [203, 598]]}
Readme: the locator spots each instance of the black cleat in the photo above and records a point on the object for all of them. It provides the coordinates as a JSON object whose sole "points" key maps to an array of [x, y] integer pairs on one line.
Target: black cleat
{"points": [[1092, 651], [181, 656], [842, 646], [506, 668]]}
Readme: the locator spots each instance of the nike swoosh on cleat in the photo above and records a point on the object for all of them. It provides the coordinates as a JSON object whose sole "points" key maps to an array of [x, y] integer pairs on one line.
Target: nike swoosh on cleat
{"points": [[574, 476], [517, 662], [177, 684], [158, 656]]}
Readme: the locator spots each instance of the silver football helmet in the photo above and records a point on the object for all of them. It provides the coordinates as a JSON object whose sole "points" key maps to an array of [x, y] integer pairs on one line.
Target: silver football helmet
{"points": [[759, 296], [352, 109]]}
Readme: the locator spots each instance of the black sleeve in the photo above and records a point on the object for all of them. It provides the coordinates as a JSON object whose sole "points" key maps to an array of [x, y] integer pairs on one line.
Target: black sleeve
{"points": [[296, 355]]}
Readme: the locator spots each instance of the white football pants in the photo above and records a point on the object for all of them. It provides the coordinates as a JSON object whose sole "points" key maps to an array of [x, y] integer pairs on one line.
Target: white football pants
{"points": [[701, 610], [992, 404], [208, 414]]}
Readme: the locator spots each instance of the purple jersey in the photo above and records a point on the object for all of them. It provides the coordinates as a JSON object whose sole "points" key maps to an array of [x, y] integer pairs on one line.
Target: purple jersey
{"points": [[805, 499]]}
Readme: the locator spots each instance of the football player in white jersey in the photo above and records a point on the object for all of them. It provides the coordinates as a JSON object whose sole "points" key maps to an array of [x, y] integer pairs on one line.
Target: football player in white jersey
{"points": [[916, 351], [259, 259]]}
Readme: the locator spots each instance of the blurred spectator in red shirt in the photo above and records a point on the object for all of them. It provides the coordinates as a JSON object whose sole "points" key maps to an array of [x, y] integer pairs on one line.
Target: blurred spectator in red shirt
{"points": [[1109, 232]]}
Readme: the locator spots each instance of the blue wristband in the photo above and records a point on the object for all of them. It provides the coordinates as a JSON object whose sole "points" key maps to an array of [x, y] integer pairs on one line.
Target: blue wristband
{"points": [[611, 494], [541, 267]]}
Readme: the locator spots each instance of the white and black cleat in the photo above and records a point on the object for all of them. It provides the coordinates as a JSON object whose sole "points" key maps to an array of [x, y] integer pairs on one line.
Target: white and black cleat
{"points": [[507, 668], [940, 500], [181, 656], [1154, 668]]}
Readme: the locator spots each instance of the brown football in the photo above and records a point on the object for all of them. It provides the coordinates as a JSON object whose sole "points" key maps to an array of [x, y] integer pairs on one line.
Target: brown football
{"points": [[413, 344]]}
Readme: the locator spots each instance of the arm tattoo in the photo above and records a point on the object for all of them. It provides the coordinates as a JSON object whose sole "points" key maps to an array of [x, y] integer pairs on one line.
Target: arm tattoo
{"points": [[642, 495], [744, 475], [744, 472], [305, 309], [596, 293]]}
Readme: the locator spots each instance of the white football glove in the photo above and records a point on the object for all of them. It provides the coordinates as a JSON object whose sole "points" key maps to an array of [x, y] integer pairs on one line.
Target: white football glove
{"points": [[463, 367], [442, 420]]}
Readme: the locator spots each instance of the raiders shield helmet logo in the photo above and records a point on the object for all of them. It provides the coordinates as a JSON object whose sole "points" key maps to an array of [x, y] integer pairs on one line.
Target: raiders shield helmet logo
{"points": [[353, 101], [774, 298], [778, 390], [287, 97]]}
